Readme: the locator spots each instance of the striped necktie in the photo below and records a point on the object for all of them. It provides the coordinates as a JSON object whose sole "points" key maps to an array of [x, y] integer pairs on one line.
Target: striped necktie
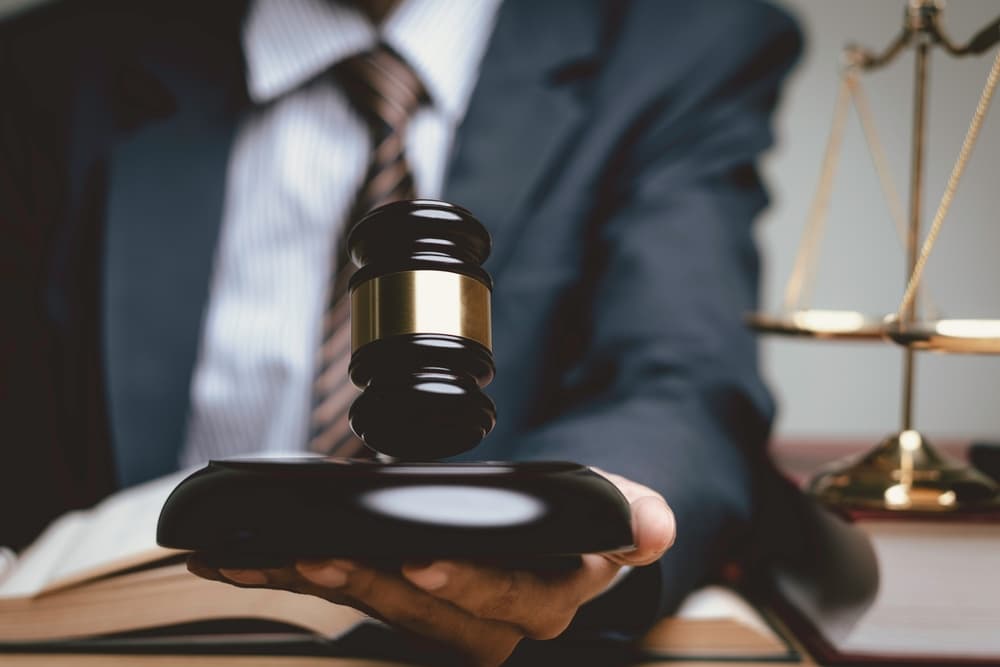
{"points": [[386, 92]]}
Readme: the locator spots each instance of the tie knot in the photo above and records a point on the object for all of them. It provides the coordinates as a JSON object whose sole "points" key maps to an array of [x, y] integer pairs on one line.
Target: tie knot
{"points": [[382, 87]]}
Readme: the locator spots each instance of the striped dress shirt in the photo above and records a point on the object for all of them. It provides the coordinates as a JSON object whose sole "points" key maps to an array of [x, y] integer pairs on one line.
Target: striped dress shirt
{"points": [[296, 164]]}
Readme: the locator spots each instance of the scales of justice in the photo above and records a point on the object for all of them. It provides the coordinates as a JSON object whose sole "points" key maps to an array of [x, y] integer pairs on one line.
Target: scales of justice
{"points": [[904, 472]]}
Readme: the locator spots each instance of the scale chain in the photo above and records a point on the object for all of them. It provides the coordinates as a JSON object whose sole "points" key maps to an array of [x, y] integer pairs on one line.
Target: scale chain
{"points": [[949, 192]]}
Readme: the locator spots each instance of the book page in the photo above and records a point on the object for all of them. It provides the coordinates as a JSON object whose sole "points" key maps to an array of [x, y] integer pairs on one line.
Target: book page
{"points": [[938, 594], [7, 560], [715, 623], [717, 602], [118, 532]]}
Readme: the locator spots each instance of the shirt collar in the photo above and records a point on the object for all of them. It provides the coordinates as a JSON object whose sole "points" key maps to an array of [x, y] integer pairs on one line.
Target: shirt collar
{"points": [[288, 42]]}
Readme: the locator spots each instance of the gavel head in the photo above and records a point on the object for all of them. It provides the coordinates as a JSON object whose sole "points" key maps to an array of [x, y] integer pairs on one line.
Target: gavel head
{"points": [[421, 348]]}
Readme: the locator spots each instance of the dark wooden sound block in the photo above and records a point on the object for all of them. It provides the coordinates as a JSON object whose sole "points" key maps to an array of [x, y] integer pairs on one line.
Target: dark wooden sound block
{"points": [[268, 512]]}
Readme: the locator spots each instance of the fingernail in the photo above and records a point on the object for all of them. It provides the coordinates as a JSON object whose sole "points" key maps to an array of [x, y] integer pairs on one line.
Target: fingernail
{"points": [[429, 578], [203, 571], [658, 526], [248, 577], [345, 565], [326, 573]]}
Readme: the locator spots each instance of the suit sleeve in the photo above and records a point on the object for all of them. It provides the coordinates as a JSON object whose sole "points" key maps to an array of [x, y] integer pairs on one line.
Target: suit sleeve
{"points": [[680, 406]]}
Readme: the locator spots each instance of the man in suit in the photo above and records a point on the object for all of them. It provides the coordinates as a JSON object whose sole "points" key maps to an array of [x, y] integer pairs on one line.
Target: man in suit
{"points": [[610, 149]]}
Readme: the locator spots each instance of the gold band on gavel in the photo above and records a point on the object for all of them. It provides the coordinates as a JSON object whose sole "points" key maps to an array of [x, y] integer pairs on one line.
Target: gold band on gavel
{"points": [[420, 302]]}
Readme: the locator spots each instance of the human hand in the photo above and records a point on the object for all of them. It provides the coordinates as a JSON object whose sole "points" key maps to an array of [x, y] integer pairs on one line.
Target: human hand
{"points": [[481, 612]]}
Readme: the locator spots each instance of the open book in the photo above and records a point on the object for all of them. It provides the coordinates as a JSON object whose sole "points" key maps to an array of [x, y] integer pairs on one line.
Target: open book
{"points": [[897, 588], [97, 576], [100, 572]]}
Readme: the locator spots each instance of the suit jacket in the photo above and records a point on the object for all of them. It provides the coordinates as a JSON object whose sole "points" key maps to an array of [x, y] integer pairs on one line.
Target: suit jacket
{"points": [[609, 147]]}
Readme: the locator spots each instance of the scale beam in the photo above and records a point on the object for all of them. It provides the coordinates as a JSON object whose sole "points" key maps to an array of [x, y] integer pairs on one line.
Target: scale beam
{"points": [[923, 18]]}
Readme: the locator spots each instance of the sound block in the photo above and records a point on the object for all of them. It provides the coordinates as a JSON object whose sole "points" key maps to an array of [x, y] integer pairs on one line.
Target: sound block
{"points": [[268, 512]]}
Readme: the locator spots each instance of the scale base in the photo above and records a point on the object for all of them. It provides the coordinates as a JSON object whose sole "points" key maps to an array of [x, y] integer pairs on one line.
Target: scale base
{"points": [[905, 473]]}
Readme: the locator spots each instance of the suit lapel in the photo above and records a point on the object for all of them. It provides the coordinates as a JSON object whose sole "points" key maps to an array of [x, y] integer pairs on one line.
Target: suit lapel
{"points": [[166, 188], [524, 111]]}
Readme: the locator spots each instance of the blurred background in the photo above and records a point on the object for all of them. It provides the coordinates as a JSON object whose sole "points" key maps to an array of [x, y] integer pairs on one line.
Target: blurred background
{"points": [[852, 391]]}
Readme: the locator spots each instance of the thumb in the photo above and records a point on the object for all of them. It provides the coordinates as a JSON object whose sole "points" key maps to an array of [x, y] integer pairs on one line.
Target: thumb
{"points": [[653, 529]]}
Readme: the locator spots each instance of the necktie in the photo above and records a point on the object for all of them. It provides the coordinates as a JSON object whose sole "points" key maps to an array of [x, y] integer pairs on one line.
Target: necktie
{"points": [[385, 92]]}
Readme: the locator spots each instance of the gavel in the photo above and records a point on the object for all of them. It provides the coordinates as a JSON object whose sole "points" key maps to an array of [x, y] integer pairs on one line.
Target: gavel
{"points": [[421, 339], [421, 353]]}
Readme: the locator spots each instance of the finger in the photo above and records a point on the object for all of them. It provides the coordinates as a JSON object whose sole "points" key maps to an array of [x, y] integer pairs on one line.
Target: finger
{"points": [[540, 606], [282, 578], [197, 567], [654, 527], [398, 602], [632, 491], [247, 577]]}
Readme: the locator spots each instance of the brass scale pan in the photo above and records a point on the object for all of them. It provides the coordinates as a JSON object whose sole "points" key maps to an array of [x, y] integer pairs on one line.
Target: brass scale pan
{"points": [[953, 336]]}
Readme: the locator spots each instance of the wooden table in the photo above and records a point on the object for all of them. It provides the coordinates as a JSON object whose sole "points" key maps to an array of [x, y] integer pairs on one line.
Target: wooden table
{"points": [[49, 660]]}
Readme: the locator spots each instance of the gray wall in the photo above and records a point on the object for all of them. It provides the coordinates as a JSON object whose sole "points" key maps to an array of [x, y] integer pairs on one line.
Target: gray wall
{"points": [[853, 390]]}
